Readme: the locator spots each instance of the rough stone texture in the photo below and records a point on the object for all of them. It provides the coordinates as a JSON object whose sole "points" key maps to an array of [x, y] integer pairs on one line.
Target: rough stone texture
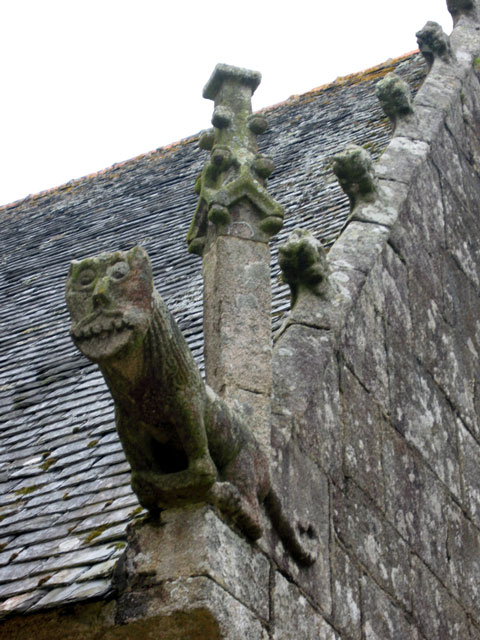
{"points": [[237, 327], [195, 542], [300, 620]]}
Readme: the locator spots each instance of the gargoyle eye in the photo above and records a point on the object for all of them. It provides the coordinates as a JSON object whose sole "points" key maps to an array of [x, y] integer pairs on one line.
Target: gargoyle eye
{"points": [[118, 270], [86, 277]]}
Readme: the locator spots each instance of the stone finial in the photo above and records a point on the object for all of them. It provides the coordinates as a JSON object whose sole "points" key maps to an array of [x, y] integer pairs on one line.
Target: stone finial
{"points": [[356, 174], [395, 97], [458, 8], [235, 170], [434, 43], [304, 265]]}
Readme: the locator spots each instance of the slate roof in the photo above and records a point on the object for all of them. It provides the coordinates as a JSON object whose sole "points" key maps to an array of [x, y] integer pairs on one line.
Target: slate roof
{"points": [[65, 498]]}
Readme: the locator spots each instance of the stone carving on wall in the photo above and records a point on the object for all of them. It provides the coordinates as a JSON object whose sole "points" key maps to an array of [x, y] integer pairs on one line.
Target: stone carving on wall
{"points": [[356, 174], [395, 97], [183, 443], [304, 265], [434, 43]]}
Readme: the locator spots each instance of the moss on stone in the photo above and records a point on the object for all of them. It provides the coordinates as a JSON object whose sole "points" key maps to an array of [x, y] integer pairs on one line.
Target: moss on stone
{"points": [[96, 532], [25, 491], [92, 443], [45, 466]]}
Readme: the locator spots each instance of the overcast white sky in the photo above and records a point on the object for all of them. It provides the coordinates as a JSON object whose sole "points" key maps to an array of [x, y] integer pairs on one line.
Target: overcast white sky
{"points": [[87, 84]]}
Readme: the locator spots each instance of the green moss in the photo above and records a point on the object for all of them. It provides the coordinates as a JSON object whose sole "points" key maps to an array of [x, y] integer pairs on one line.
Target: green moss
{"points": [[3, 545], [26, 490], [119, 545], [13, 556], [94, 534], [91, 444], [476, 62], [45, 466], [45, 454], [65, 496], [136, 511]]}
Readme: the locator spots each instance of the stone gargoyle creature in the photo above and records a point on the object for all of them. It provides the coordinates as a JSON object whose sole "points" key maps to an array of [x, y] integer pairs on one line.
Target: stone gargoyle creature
{"points": [[183, 443]]}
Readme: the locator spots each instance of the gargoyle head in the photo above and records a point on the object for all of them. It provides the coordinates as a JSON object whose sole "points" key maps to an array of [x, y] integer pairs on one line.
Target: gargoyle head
{"points": [[109, 298]]}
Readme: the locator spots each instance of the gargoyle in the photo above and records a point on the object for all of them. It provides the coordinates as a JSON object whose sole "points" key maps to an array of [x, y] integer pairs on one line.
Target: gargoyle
{"points": [[183, 443]]}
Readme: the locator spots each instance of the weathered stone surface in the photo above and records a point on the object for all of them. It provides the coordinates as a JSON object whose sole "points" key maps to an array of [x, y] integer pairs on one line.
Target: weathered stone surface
{"points": [[384, 210], [470, 456], [463, 548], [347, 610], [294, 617], [363, 422], [305, 497], [187, 609], [363, 348], [437, 614], [368, 536], [423, 415], [306, 395], [415, 502], [381, 618], [195, 542], [359, 245], [400, 160]]}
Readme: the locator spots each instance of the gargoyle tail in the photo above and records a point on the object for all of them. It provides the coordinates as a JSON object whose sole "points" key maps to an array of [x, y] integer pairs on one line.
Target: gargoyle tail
{"points": [[300, 539]]}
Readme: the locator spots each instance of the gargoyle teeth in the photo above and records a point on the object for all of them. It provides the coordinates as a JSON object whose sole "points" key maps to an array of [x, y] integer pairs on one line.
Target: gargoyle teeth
{"points": [[101, 328]]}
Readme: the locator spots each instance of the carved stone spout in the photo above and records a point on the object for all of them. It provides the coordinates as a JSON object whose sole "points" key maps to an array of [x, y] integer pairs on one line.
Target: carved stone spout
{"points": [[183, 443]]}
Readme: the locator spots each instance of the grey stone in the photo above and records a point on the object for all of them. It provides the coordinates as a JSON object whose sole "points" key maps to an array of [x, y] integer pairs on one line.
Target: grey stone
{"points": [[363, 348], [199, 606], [363, 422], [306, 393], [463, 548], [415, 502], [381, 619], [470, 456], [73, 593], [373, 541], [196, 542], [437, 613], [294, 616], [347, 610], [401, 159], [359, 245], [305, 497]]}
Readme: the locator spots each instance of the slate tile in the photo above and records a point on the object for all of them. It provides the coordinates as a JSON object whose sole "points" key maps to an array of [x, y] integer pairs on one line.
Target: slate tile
{"points": [[45, 550], [21, 602], [73, 593], [67, 576], [79, 558]]}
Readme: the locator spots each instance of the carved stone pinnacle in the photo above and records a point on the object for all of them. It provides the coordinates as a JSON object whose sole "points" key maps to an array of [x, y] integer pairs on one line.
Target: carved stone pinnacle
{"points": [[434, 43], [355, 173], [395, 97], [235, 170]]}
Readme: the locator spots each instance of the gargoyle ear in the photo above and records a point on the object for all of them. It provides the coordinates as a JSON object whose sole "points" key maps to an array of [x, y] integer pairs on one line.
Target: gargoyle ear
{"points": [[139, 257], [73, 265]]}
